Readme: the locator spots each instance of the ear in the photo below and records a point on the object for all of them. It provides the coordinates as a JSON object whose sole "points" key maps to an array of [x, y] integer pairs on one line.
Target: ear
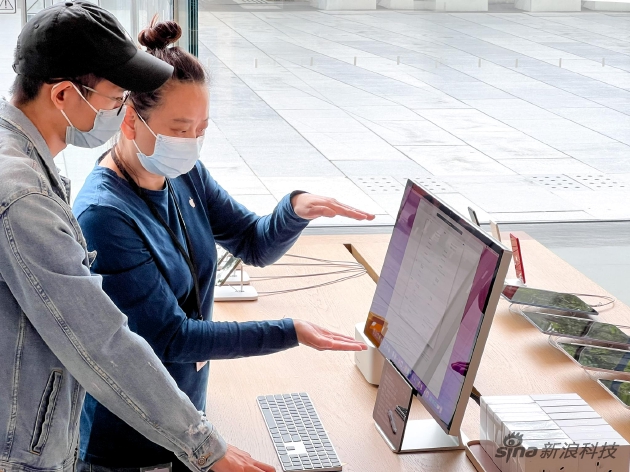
{"points": [[59, 94], [128, 126]]}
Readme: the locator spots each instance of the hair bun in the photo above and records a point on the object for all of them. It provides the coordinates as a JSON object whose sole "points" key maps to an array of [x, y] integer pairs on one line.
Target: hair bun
{"points": [[159, 34]]}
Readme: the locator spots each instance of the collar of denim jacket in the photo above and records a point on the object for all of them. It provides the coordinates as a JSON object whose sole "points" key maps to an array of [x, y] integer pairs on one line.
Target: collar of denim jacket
{"points": [[19, 120]]}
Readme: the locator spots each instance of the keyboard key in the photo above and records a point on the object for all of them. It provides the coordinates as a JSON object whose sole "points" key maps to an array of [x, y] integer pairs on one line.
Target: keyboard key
{"points": [[269, 419]]}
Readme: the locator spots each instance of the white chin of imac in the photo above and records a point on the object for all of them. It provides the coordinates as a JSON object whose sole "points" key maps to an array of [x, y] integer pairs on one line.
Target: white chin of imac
{"points": [[369, 362]]}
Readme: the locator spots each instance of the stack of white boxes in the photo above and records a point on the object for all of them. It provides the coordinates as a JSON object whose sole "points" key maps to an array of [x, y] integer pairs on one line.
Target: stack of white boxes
{"points": [[550, 433]]}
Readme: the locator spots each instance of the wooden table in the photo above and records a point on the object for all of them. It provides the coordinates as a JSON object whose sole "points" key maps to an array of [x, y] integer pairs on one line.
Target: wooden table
{"points": [[517, 358]]}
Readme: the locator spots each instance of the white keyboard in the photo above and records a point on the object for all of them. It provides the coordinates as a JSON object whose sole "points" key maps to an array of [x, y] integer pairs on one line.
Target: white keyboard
{"points": [[297, 433]]}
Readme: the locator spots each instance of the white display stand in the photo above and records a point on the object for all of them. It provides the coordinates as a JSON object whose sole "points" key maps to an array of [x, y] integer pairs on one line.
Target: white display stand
{"points": [[452, 5], [369, 362], [344, 4], [548, 5], [231, 293], [238, 277], [607, 5]]}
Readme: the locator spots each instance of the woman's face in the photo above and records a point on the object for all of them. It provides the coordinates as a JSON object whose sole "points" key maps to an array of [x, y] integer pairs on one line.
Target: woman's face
{"points": [[183, 113]]}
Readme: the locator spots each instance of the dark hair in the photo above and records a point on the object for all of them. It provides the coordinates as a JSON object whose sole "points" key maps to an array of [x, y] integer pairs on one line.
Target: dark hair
{"points": [[26, 88], [157, 38]]}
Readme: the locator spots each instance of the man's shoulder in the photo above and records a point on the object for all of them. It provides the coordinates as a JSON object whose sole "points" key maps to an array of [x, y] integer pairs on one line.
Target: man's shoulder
{"points": [[19, 173]]}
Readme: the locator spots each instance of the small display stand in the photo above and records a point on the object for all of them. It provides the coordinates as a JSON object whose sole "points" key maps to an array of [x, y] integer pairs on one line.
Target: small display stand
{"points": [[238, 277], [237, 290], [391, 415]]}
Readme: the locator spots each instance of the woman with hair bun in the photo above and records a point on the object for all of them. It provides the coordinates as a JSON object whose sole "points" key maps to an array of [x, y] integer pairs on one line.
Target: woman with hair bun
{"points": [[153, 214]]}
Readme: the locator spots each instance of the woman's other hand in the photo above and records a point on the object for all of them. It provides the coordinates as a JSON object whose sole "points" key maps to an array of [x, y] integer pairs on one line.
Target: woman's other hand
{"points": [[322, 339], [310, 206]]}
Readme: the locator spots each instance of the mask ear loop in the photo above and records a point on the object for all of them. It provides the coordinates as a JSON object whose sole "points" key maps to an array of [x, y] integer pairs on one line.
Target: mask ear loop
{"points": [[84, 99], [145, 124], [80, 95]]}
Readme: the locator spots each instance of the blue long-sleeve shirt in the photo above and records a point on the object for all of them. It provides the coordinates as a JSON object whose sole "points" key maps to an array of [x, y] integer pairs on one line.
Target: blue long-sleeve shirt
{"points": [[148, 279]]}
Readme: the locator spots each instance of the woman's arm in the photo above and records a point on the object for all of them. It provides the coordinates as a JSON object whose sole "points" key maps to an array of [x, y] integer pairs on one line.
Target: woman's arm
{"points": [[134, 283], [258, 240]]}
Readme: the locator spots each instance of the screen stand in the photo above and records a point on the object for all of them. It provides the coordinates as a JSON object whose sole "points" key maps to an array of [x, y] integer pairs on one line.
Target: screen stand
{"points": [[391, 415], [427, 435]]}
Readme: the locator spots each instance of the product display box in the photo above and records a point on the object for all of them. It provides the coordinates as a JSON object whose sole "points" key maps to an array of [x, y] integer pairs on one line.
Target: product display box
{"points": [[550, 432]]}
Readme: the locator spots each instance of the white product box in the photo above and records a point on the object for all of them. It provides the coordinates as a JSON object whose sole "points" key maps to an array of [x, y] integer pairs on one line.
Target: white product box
{"points": [[506, 399], [496, 420], [530, 425], [550, 433], [566, 409], [588, 428], [581, 422], [593, 437], [555, 396], [573, 415], [564, 402], [516, 408]]}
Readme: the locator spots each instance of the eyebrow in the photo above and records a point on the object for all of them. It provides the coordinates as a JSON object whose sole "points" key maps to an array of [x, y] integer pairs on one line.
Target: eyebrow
{"points": [[186, 120]]}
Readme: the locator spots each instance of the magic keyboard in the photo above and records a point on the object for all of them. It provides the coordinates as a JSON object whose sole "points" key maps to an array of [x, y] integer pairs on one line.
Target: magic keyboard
{"points": [[297, 433]]}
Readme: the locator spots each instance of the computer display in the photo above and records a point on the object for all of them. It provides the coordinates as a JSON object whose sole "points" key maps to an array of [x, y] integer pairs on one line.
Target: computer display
{"points": [[434, 302]]}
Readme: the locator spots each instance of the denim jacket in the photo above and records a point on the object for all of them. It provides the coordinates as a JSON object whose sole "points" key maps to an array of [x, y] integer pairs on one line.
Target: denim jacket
{"points": [[60, 333]]}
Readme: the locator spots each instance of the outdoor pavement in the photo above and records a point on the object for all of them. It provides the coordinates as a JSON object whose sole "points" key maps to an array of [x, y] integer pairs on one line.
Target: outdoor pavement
{"points": [[525, 117]]}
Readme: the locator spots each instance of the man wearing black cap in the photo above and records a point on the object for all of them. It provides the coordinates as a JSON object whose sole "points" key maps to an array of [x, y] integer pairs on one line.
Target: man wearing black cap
{"points": [[60, 332]]}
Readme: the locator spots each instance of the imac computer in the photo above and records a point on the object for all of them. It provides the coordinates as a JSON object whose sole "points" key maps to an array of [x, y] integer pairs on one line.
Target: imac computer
{"points": [[430, 318]]}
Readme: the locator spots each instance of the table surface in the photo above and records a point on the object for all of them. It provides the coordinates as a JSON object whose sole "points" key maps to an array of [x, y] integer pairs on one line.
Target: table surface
{"points": [[517, 358]]}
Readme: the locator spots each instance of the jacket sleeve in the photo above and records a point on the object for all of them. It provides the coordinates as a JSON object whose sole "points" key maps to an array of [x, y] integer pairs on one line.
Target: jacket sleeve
{"points": [[257, 240], [137, 287], [45, 268]]}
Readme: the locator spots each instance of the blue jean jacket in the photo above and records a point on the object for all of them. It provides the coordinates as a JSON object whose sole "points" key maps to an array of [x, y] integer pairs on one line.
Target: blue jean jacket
{"points": [[61, 333]]}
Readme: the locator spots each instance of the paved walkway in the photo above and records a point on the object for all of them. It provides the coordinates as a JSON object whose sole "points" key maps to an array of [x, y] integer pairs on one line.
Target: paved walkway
{"points": [[525, 117], [508, 112]]}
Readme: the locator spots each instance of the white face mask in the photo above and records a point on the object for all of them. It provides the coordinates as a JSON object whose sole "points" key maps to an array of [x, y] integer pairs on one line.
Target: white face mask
{"points": [[171, 156], [106, 125]]}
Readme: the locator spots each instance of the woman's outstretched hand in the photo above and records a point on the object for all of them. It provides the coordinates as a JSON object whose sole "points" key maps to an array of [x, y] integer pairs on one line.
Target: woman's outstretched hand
{"points": [[310, 206], [322, 339]]}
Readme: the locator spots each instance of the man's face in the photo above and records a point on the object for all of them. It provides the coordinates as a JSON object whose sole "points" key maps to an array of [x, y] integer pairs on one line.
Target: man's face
{"points": [[106, 96]]}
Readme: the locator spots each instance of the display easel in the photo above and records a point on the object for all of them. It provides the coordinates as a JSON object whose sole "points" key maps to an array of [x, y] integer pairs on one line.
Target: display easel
{"points": [[391, 416]]}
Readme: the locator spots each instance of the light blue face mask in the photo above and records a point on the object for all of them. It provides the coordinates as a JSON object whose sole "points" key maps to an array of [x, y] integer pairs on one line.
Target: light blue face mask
{"points": [[106, 125], [171, 156]]}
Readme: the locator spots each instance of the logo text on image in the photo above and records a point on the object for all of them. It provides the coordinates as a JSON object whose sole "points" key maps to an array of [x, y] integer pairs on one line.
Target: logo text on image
{"points": [[512, 447]]}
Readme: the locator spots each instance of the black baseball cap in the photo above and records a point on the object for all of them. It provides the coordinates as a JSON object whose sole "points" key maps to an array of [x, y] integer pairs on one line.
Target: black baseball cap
{"points": [[71, 39]]}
